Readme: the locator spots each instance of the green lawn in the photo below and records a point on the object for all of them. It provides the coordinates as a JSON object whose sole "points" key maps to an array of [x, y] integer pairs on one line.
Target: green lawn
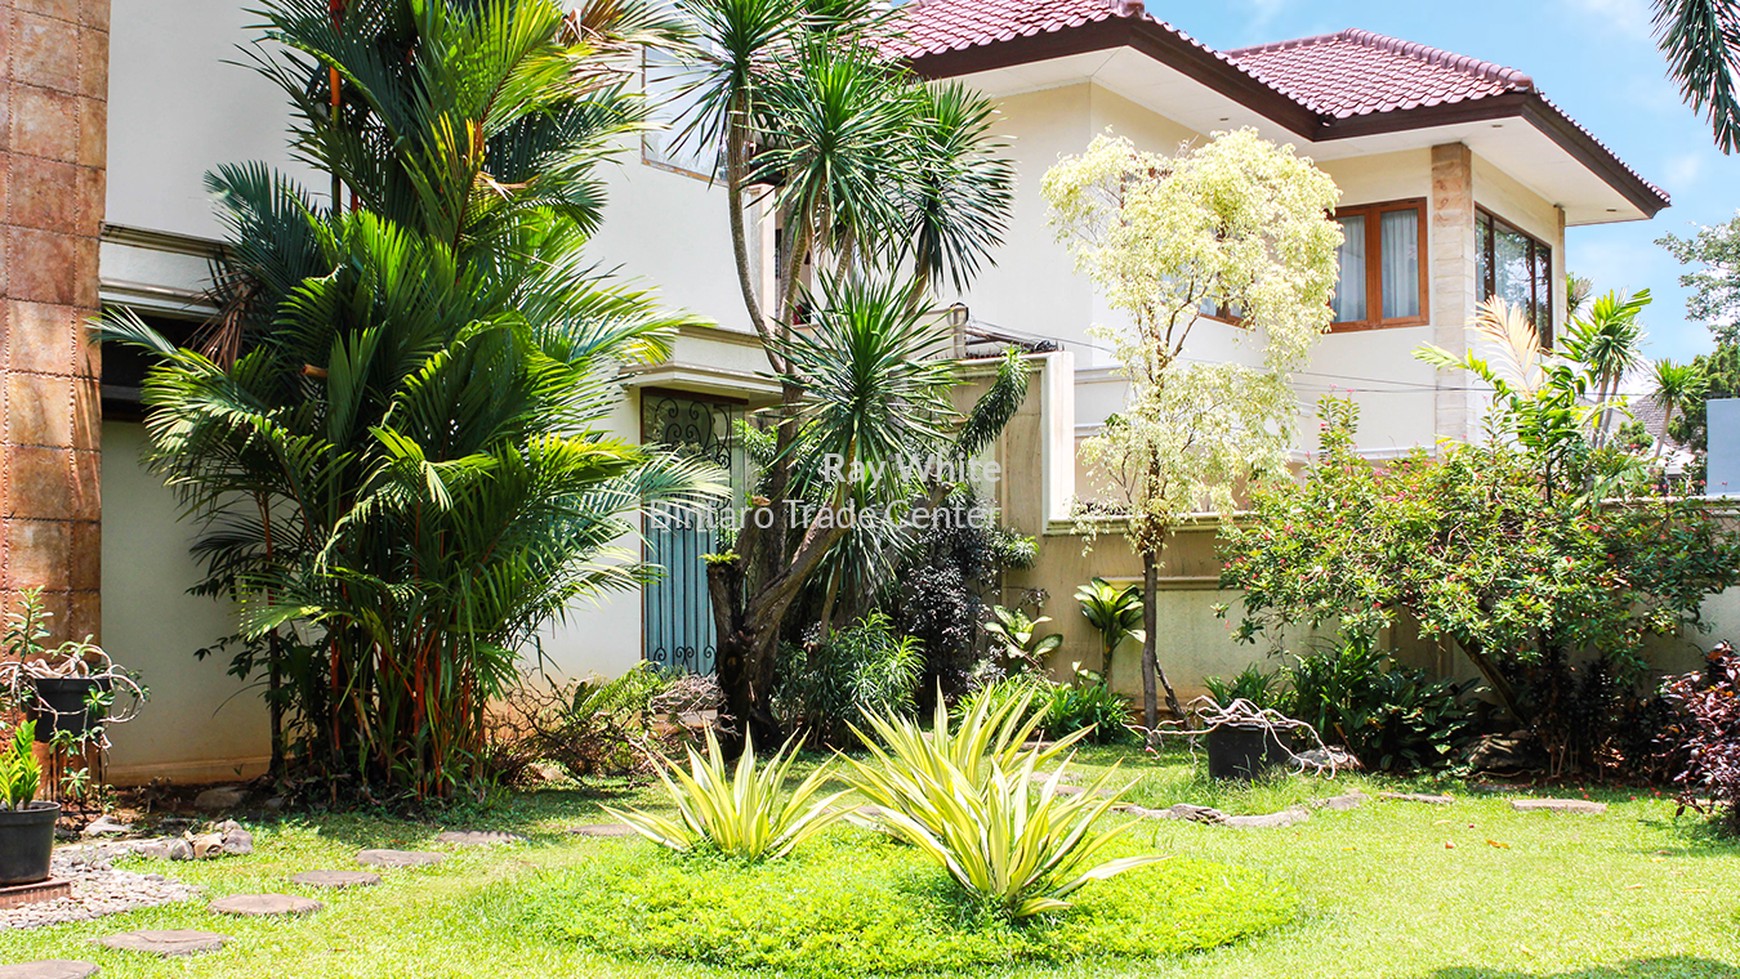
{"points": [[1389, 889]]}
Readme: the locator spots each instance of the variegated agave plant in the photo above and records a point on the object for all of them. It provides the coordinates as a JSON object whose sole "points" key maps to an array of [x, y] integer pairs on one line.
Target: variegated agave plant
{"points": [[974, 801], [742, 814]]}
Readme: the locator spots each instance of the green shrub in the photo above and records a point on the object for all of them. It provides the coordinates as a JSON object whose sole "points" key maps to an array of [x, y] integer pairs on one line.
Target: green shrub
{"points": [[1087, 704], [855, 904], [863, 668], [1264, 689], [594, 728], [741, 814], [1391, 717]]}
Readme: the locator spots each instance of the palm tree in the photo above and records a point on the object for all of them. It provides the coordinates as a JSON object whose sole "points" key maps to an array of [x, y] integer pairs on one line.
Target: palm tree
{"points": [[1675, 385], [399, 458], [1609, 342], [869, 176], [1115, 613], [1701, 39]]}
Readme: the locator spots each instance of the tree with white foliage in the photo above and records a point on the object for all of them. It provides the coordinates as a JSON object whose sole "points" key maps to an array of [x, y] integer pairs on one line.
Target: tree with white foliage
{"points": [[1235, 225]]}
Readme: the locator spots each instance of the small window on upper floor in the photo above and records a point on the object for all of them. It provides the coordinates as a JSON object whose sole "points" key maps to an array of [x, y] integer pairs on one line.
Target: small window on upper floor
{"points": [[672, 99], [1515, 267], [1381, 281]]}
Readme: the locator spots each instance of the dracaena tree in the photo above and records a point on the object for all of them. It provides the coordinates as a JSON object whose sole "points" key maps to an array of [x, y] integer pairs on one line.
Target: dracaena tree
{"points": [[392, 444], [1238, 224], [880, 186]]}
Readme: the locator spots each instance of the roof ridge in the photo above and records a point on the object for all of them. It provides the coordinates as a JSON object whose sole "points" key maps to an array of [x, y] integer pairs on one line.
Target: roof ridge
{"points": [[1491, 71]]}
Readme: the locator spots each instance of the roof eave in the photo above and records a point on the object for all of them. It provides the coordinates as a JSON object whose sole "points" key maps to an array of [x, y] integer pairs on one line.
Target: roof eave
{"points": [[1146, 36], [1155, 40], [1527, 106]]}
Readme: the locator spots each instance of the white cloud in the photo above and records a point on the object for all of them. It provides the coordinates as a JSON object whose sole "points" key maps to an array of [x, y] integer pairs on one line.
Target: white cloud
{"points": [[1684, 170], [1621, 16]]}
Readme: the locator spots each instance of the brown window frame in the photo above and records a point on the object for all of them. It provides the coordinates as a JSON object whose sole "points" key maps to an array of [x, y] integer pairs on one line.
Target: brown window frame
{"points": [[1374, 284], [1488, 285]]}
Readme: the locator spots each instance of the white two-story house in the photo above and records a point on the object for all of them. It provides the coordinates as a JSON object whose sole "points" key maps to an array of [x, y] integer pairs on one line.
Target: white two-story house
{"points": [[1459, 180]]}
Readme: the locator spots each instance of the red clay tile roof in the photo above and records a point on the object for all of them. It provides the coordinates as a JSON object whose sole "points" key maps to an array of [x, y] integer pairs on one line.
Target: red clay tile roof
{"points": [[1332, 77], [1357, 72], [935, 26]]}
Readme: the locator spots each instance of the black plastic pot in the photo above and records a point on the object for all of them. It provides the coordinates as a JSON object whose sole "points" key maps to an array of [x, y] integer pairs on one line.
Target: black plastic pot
{"points": [[1242, 751], [61, 705], [26, 843]]}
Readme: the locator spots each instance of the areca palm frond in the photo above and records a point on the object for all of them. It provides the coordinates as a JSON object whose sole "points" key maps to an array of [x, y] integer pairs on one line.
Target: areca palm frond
{"points": [[1701, 39], [403, 455]]}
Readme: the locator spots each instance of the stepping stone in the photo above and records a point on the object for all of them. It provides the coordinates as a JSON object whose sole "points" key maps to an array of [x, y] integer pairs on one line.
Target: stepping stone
{"points": [[336, 878], [264, 905], [1558, 805], [181, 941], [399, 858], [471, 837], [1183, 810], [1344, 802], [1429, 800], [604, 829], [1273, 820], [49, 969]]}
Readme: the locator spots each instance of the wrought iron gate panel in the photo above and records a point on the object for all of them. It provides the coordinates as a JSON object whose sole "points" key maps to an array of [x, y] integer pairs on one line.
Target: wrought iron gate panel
{"points": [[677, 613]]}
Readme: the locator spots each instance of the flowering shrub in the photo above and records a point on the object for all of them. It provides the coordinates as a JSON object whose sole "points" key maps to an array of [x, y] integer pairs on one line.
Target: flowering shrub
{"points": [[1709, 735], [1467, 545]]}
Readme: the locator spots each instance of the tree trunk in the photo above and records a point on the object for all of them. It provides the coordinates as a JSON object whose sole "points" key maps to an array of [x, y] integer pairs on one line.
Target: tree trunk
{"points": [[1151, 670], [1501, 686], [1150, 663]]}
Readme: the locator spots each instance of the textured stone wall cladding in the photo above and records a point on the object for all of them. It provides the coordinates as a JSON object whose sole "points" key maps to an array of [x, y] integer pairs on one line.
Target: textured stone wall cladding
{"points": [[1452, 267], [54, 70]]}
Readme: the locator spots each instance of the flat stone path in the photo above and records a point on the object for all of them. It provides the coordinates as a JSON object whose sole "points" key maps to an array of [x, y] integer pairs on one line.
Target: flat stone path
{"points": [[604, 829], [1343, 802], [181, 941], [336, 878], [264, 905], [1559, 805], [1273, 820], [472, 837], [49, 969], [399, 858]]}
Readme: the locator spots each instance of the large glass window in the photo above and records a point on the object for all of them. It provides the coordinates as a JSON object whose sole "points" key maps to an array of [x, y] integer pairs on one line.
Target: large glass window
{"points": [[1380, 255], [1516, 268]]}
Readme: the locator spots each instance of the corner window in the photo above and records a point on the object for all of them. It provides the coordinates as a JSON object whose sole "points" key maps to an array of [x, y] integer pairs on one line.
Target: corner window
{"points": [[1516, 268], [1381, 282], [673, 100]]}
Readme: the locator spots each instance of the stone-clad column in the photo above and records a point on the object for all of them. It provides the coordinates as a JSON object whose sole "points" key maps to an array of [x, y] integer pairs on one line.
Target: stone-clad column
{"points": [[1452, 265], [53, 142]]}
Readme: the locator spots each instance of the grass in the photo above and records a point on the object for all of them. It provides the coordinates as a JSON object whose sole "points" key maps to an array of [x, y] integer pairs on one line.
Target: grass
{"points": [[1391, 889]]}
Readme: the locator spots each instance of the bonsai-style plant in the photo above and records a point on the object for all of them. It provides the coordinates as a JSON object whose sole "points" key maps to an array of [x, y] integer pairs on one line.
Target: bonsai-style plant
{"points": [[26, 826], [69, 690]]}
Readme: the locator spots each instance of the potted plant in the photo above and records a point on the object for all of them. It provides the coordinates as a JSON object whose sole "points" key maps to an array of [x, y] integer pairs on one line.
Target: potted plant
{"points": [[26, 826], [67, 689]]}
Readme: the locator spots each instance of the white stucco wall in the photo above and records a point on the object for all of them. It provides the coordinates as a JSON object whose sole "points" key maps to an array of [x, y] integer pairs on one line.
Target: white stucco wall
{"points": [[200, 724], [178, 108]]}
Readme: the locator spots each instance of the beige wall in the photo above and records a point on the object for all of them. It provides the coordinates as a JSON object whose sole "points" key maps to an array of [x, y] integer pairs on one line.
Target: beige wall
{"points": [[200, 724]]}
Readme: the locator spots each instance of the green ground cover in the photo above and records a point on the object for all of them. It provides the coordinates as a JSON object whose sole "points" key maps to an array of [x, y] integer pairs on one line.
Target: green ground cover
{"points": [[1390, 889]]}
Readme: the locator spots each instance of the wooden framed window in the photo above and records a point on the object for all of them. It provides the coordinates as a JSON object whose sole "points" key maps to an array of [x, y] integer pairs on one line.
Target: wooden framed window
{"points": [[1383, 282], [1512, 265]]}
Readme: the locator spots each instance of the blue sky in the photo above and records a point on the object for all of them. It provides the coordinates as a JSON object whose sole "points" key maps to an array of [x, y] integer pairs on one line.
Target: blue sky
{"points": [[1598, 61]]}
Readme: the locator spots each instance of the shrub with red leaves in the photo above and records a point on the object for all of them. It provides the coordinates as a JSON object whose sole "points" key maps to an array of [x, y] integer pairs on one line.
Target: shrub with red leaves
{"points": [[1709, 735]]}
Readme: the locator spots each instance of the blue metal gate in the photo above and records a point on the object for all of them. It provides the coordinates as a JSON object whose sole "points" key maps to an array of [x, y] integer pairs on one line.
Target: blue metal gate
{"points": [[677, 615]]}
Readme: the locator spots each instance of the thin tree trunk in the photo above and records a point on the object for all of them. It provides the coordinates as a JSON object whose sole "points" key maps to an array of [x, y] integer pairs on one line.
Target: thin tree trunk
{"points": [[1150, 662]]}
